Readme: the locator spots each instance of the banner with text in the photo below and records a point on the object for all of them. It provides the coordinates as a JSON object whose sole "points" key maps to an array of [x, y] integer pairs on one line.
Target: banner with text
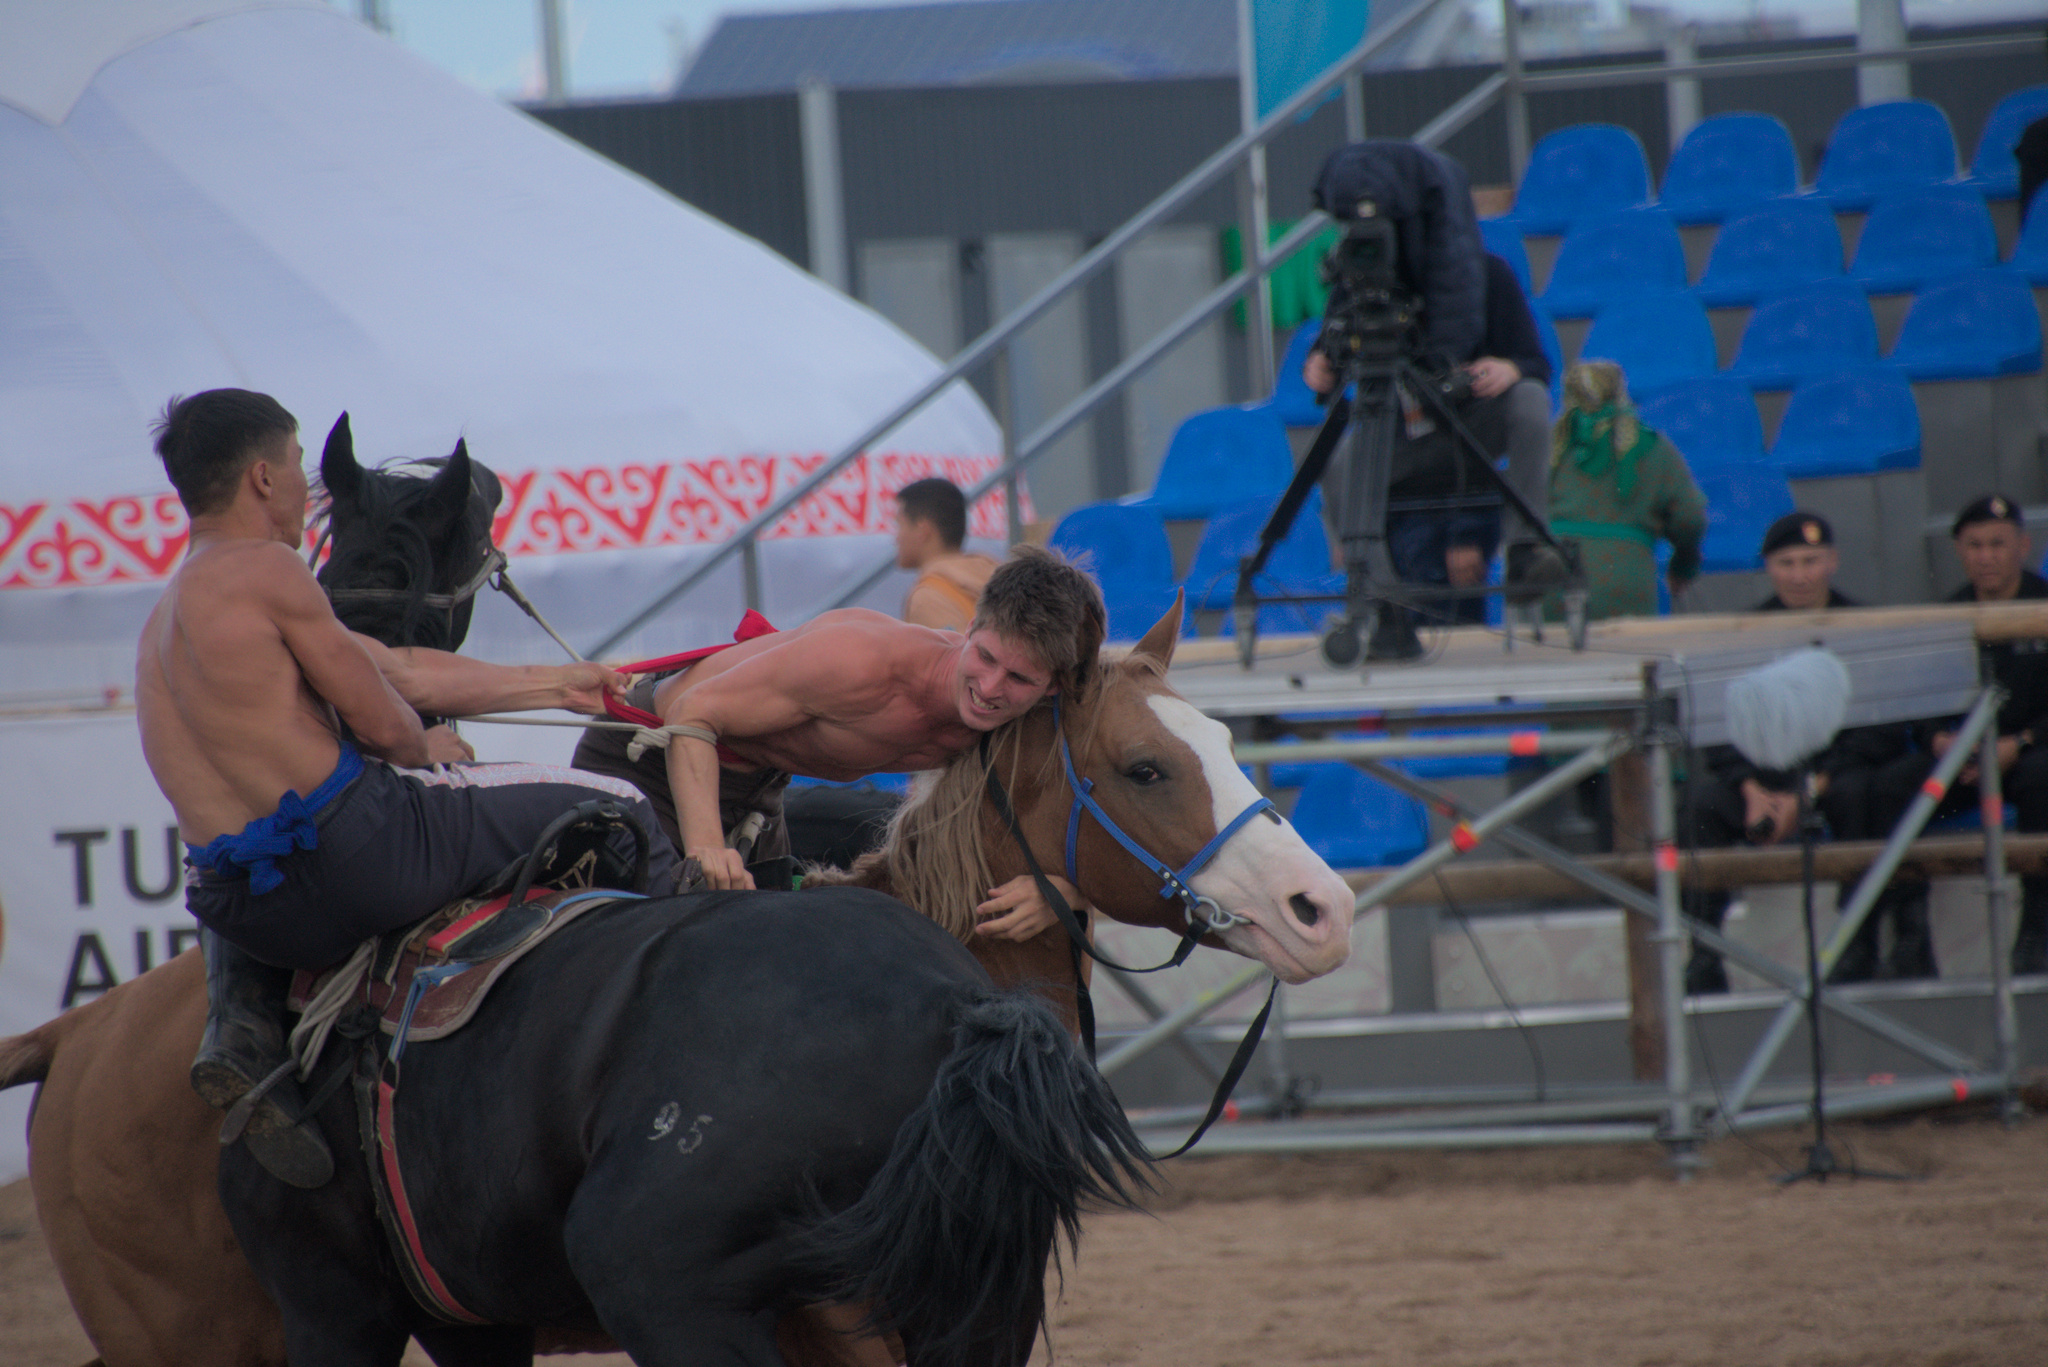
{"points": [[91, 886]]}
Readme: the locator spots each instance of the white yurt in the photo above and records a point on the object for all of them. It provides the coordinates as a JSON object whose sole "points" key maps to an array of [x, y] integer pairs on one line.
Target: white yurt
{"points": [[265, 194]]}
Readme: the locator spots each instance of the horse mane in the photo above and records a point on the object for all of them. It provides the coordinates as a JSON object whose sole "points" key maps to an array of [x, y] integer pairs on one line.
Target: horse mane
{"points": [[934, 857], [382, 544]]}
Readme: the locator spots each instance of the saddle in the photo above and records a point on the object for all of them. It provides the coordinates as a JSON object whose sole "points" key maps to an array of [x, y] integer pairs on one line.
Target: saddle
{"points": [[425, 981]]}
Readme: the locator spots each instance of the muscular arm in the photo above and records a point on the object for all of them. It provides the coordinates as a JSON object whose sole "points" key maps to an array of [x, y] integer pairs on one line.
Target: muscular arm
{"points": [[827, 673], [337, 667], [447, 685]]}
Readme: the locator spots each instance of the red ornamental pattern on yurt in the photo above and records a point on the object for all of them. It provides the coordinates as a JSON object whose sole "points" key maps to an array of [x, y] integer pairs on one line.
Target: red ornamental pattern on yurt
{"points": [[137, 538]]}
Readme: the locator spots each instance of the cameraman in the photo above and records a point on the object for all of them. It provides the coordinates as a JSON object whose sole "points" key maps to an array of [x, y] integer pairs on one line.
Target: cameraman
{"points": [[1475, 319]]}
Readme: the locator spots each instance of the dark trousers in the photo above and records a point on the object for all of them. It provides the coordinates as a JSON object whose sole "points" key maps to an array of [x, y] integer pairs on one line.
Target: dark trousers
{"points": [[394, 847], [2024, 787], [1516, 425], [1712, 816]]}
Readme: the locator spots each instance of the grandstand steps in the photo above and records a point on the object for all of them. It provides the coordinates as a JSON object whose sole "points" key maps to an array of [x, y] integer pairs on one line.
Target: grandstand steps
{"points": [[1890, 312], [1872, 514], [1728, 324], [1770, 411], [1981, 435], [2005, 217], [1571, 336], [1698, 241], [1849, 222]]}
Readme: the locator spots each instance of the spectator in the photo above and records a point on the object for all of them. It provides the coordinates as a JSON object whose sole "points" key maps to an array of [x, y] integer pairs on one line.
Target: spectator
{"points": [[1991, 540], [1472, 318], [931, 524], [1616, 486], [1453, 541], [1728, 799]]}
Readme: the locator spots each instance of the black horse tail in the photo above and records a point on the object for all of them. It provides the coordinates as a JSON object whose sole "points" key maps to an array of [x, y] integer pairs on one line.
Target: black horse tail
{"points": [[948, 1244]]}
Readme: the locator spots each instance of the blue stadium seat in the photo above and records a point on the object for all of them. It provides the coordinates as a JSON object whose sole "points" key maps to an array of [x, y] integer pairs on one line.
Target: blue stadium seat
{"points": [[1993, 171], [1659, 339], [1300, 562], [1742, 502], [1711, 419], [2030, 254], [1728, 164], [1972, 327], [1574, 173], [1813, 330], [1611, 257], [1855, 422], [1127, 551], [1924, 235], [1881, 149], [1219, 459], [1354, 821], [1294, 403], [1771, 248], [1504, 240], [1296, 773]]}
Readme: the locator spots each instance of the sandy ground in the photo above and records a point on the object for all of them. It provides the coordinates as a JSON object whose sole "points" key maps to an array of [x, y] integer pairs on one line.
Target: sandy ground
{"points": [[1523, 1258]]}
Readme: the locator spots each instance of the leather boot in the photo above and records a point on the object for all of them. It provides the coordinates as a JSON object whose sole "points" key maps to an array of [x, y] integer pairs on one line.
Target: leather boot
{"points": [[1859, 960], [243, 1045], [1912, 953], [2030, 946], [1705, 974]]}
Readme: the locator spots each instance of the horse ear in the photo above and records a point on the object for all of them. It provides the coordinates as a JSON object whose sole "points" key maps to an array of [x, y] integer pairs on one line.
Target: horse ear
{"points": [[448, 494], [339, 472], [1164, 635]]}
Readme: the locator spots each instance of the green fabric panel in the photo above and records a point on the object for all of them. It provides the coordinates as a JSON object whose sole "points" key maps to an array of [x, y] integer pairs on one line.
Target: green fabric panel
{"points": [[1298, 293], [1603, 531]]}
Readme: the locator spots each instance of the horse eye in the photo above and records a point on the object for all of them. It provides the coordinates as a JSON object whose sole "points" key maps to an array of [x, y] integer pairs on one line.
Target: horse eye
{"points": [[1144, 774]]}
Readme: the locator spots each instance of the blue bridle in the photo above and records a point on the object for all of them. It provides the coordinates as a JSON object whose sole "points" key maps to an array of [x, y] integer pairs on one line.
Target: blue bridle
{"points": [[1204, 916], [1204, 910]]}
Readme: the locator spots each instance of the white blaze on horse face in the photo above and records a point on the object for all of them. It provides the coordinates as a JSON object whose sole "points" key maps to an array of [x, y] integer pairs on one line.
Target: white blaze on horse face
{"points": [[1300, 911]]}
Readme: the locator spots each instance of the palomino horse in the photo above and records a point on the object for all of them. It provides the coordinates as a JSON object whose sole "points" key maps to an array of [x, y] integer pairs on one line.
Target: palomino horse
{"points": [[125, 1154]]}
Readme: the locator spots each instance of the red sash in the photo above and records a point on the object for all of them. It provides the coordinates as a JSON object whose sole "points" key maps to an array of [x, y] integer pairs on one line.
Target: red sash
{"points": [[751, 625]]}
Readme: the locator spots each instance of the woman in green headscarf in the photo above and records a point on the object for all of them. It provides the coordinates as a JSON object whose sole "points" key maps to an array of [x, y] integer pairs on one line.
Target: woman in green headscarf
{"points": [[1616, 486]]}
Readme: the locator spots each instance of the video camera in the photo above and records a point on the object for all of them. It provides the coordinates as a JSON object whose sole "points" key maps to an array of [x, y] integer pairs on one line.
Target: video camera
{"points": [[1373, 318]]}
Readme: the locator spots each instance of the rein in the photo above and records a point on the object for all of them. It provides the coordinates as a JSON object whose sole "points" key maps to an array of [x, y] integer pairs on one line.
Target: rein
{"points": [[1203, 914]]}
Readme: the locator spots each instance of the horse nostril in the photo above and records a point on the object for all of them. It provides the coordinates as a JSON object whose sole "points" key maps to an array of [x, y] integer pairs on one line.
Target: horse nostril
{"points": [[1305, 911]]}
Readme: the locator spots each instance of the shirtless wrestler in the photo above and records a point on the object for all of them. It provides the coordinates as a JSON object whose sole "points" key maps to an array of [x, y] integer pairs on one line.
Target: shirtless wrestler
{"points": [[852, 693], [274, 730]]}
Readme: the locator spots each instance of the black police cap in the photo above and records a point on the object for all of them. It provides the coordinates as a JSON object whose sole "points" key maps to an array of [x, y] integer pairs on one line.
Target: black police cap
{"points": [[1798, 529], [1990, 508]]}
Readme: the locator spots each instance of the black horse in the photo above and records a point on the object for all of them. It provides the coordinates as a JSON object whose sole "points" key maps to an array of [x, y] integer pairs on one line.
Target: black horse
{"points": [[406, 555], [678, 1122]]}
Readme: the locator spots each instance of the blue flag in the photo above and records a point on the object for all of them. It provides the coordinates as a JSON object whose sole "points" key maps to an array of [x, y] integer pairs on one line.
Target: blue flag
{"points": [[1294, 40]]}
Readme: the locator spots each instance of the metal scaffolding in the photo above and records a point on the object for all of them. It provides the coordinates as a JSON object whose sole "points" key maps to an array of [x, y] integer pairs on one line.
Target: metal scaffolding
{"points": [[1588, 713]]}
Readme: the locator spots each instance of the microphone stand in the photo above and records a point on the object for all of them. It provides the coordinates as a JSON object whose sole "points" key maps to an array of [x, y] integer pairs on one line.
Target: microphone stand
{"points": [[1820, 1159]]}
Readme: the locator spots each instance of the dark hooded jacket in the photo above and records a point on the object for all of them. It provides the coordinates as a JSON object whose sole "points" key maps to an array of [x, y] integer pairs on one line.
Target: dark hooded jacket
{"points": [[1429, 199]]}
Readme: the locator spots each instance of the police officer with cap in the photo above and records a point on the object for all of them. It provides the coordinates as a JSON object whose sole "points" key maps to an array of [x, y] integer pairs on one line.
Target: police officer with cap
{"points": [[1801, 560], [1730, 800], [1991, 541]]}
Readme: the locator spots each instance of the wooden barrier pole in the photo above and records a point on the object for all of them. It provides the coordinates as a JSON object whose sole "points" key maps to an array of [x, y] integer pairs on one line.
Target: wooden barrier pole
{"points": [[1512, 880], [1630, 779], [1992, 622]]}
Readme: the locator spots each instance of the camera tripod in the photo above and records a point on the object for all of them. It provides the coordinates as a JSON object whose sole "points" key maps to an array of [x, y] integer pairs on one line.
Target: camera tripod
{"points": [[1375, 616]]}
